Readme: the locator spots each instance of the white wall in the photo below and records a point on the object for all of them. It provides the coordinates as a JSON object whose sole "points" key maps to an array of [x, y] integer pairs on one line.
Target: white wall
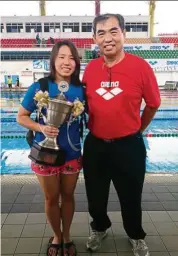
{"points": [[162, 77], [66, 35], [71, 18], [137, 35], [17, 68], [46, 35], [61, 19]]}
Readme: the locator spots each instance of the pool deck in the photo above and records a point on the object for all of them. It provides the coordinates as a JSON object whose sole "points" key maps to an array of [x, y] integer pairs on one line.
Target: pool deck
{"points": [[25, 230]]}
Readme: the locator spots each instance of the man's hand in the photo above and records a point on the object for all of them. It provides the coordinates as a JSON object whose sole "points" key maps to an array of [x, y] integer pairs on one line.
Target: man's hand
{"points": [[147, 116]]}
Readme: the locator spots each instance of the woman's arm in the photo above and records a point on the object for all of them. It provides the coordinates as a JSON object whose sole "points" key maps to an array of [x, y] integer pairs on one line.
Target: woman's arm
{"points": [[23, 118]]}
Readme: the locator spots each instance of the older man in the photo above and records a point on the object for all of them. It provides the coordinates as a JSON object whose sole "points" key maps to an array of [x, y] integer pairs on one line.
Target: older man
{"points": [[114, 149]]}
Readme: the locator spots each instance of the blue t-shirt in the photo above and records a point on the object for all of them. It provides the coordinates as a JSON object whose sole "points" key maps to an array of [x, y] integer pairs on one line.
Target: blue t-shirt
{"points": [[73, 93]]}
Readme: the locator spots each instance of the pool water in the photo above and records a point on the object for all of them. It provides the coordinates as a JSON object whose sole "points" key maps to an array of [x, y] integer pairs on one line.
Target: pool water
{"points": [[162, 152]]}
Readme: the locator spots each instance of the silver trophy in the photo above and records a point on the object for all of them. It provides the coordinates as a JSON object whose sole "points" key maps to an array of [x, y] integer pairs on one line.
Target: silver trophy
{"points": [[58, 112], [48, 152]]}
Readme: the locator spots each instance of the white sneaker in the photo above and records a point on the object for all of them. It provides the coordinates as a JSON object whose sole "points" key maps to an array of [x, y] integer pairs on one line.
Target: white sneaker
{"points": [[94, 241], [140, 248]]}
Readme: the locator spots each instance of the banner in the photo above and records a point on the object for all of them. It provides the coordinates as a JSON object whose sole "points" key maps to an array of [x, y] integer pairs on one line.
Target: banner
{"points": [[46, 65], [139, 47], [38, 64], [162, 62], [157, 65], [41, 65], [157, 46]]}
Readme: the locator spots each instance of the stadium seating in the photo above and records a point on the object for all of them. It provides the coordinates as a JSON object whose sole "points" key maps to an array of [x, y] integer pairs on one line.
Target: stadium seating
{"points": [[25, 55], [146, 54], [30, 55], [173, 40], [17, 43], [138, 41], [79, 42], [27, 43], [150, 54]]}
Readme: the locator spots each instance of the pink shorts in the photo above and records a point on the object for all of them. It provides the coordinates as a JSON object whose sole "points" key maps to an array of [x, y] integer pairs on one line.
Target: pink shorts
{"points": [[70, 167]]}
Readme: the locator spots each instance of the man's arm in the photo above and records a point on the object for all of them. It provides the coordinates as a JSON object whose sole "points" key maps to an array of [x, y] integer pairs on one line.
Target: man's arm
{"points": [[151, 96], [147, 116]]}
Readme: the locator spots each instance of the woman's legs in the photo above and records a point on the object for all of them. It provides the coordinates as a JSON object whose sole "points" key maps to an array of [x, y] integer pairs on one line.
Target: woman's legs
{"points": [[68, 184], [51, 189]]}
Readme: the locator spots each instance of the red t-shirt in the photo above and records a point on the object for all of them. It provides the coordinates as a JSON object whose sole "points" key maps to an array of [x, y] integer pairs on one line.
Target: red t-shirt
{"points": [[115, 111]]}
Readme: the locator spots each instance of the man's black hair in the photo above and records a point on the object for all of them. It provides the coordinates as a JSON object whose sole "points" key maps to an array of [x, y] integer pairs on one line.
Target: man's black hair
{"points": [[106, 16]]}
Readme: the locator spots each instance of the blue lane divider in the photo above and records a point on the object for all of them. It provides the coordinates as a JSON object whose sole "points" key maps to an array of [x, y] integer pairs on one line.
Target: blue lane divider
{"points": [[166, 119], [144, 135], [13, 120], [165, 110], [6, 132], [8, 112], [159, 110], [8, 120]]}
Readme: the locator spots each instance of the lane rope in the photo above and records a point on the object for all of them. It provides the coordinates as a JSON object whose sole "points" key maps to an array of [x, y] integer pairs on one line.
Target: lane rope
{"points": [[144, 135]]}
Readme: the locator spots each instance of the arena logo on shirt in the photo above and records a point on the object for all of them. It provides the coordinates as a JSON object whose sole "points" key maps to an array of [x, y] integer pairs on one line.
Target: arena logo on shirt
{"points": [[108, 95], [109, 84]]}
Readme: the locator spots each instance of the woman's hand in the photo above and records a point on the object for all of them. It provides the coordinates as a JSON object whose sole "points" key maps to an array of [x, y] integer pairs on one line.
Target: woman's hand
{"points": [[49, 131]]}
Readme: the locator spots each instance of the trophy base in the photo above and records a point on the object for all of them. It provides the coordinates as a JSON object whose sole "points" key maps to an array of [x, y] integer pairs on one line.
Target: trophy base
{"points": [[46, 156]]}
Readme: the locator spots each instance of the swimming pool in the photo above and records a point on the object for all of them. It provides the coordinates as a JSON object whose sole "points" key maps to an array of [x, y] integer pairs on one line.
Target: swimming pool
{"points": [[161, 137]]}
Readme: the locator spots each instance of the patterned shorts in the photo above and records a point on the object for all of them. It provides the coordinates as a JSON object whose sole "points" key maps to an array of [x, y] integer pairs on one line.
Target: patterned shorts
{"points": [[70, 167]]}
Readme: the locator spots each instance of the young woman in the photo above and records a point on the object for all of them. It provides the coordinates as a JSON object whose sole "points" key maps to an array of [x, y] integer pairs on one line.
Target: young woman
{"points": [[58, 181]]}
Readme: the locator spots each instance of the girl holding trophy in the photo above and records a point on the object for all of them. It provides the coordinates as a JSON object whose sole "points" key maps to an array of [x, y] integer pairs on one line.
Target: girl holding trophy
{"points": [[57, 180]]}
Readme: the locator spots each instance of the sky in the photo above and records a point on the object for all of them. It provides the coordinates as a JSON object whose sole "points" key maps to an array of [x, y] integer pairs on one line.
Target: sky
{"points": [[166, 17]]}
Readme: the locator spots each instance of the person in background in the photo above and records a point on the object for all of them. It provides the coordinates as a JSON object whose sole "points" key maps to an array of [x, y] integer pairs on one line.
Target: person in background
{"points": [[17, 83], [51, 40], [58, 181], [94, 54], [38, 40], [114, 150], [9, 82]]}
